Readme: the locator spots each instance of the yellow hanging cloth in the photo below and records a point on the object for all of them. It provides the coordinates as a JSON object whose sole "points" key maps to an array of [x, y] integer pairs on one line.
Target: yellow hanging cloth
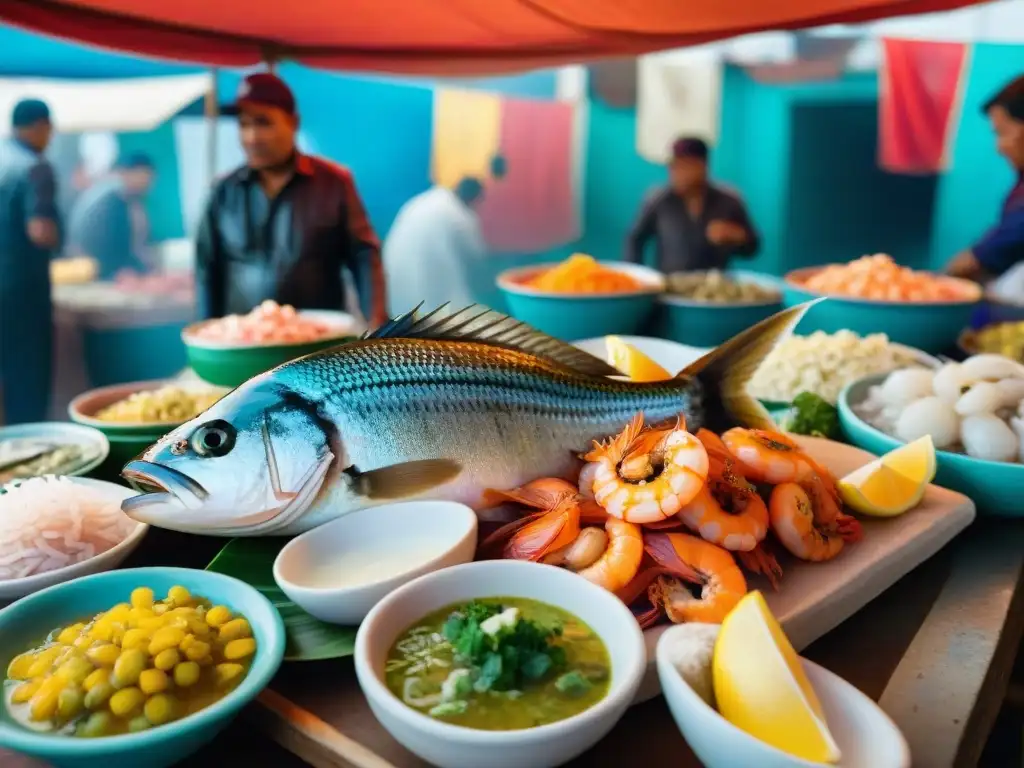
{"points": [[467, 135]]}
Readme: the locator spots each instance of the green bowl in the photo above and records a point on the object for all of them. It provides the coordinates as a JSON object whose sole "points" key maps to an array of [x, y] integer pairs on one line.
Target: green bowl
{"points": [[26, 623], [573, 317], [230, 365], [931, 327], [993, 486], [708, 324]]}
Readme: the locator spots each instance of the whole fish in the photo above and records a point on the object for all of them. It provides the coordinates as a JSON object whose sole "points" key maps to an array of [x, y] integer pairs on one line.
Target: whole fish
{"points": [[442, 406]]}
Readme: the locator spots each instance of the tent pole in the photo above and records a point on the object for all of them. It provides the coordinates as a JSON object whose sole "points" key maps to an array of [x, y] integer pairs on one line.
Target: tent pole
{"points": [[211, 111]]}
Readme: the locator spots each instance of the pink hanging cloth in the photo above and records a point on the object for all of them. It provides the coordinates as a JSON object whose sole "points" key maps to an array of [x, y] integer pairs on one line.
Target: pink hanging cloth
{"points": [[535, 206], [920, 92]]}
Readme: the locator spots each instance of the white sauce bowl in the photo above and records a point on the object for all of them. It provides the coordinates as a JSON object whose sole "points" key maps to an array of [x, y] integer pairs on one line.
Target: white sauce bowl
{"points": [[455, 746], [339, 571]]}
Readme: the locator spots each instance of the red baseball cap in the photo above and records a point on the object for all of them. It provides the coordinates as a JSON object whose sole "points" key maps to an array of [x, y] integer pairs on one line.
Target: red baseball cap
{"points": [[265, 89]]}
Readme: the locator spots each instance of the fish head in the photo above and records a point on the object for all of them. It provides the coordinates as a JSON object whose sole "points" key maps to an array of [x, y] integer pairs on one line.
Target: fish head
{"points": [[252, 463]]}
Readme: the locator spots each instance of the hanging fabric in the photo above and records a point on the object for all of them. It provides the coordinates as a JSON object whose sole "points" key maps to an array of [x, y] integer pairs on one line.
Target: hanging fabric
{"points": [[467, 130], [534, 207], [920, 94], [677, 96]]}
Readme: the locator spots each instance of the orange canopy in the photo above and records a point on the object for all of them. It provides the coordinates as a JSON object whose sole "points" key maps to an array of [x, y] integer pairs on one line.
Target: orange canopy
{"points": [[442, 37]]}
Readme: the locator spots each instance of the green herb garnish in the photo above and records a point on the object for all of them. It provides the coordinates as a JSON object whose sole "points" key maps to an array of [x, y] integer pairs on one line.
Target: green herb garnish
{"points": [[814, 416], [573, 684]]}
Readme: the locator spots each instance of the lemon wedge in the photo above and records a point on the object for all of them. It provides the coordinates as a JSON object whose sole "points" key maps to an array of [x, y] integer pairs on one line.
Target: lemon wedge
{"points": [[761, 688], [632, 362], [892, 484]]}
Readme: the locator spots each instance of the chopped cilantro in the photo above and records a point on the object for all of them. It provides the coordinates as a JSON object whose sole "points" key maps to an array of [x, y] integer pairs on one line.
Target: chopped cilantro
{"points": [[572, 684], [448, 708]]}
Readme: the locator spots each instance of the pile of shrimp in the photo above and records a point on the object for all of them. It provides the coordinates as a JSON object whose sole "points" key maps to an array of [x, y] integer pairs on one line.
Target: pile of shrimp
{"points": [[668, 520]]}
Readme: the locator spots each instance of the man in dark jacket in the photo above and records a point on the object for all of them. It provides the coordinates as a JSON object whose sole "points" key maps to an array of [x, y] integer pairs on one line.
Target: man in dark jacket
{"points": [[285, 226], [695, 224]]}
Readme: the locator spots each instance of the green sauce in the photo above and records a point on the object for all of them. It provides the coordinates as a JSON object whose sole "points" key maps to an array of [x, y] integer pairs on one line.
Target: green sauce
{"points": [[499, 664]]}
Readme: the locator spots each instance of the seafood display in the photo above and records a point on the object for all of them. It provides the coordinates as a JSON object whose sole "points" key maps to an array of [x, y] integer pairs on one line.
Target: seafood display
{"points": [[418, 408], [138, 665], [716, 287], [583, 274], [166, 405], [269, 323], [975, 407], [1006, 339], [880, 278], [823, 364]]}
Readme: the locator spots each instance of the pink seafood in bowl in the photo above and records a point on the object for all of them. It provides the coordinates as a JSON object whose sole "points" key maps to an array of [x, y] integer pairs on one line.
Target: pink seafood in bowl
{"points": [[269, 323]]}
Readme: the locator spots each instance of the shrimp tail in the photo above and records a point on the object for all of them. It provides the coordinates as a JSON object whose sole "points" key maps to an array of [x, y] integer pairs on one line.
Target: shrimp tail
{"points": [[759, 560], [543, 493], [849, 528], [616, 447], [725, 371], [552, 530], [504, 533], [659, 547]]}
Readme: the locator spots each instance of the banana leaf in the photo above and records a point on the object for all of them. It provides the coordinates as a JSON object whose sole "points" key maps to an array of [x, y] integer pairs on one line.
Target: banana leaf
{"points": [[307, 638]]}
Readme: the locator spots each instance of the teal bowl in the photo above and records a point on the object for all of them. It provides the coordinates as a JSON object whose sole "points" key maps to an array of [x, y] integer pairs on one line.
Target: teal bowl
{"points": [[25, 623], [931, 327], [993, 486], [708, 324], [231, 365], [580, 316]]}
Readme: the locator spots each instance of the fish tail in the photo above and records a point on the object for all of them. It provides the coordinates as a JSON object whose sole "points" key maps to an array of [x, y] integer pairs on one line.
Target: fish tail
{"points": [[726, 370]]}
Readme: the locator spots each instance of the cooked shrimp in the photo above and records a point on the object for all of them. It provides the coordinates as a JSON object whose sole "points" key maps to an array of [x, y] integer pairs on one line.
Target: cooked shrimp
{"points": [[543, 493], [793, 520], [768, 457], [621, 559], [585, 550], [644, 476], [587, 476], [699, 562], [548, 532]]}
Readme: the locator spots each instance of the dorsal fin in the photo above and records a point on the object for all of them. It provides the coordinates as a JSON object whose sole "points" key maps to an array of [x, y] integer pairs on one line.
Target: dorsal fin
{"points": [[477, 323]]}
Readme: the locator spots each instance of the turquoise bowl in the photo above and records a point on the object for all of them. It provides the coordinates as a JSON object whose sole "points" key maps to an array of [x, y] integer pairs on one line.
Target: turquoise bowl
{"points": [[930, 327], [708, 324], [25, 623], [993, 486], [580, 316]]}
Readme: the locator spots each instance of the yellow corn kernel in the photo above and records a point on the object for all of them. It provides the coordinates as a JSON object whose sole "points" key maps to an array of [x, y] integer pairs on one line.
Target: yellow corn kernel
{"points": [[74, 670], [102, 631], [226, 674], [235, 629], [166, 660], [197, 650], [119, 612], [186, 674], [44, 704], [168, 637], [20, 665], [98, 724], [138, 616], [186, 642], [103, 655], [179, 595], [218, 616], [135, 638], [68, 635], [129, 666], [83, 642], [142, 597], [25, 691], [98, 695], [160, 608], [137, 724], [151, 623], [117, 636], [126, 701], [153, 681], [96, 677], [70, 703], [160, 709], [43, 662], [198, 627], [240, 649]]}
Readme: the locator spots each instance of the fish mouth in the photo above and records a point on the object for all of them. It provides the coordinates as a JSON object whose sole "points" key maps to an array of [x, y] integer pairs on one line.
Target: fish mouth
{"points": [[160, 484]]}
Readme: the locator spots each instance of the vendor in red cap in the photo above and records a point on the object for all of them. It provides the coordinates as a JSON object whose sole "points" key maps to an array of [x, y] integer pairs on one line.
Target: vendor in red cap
{"points": [[285, 226], [694, 224]]}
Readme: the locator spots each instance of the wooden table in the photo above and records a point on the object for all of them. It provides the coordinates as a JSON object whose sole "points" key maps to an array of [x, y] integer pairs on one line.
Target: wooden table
{"points": [[935, 650]]}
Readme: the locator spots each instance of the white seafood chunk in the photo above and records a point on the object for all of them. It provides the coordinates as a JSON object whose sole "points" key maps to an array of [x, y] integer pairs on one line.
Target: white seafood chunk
{"points": [[992, 367], [1018, 427], [929, 416], [905, 386], [982, 397], [1011, 393], [985, 436], [948, 382]]}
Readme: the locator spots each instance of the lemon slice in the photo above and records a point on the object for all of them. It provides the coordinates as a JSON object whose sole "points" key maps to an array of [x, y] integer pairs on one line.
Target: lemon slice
{"points": [[892, 484], [761, 688], [632, 362]]}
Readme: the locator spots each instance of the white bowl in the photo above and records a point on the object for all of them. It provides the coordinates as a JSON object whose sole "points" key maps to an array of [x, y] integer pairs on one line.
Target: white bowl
{"points": [[454, 746], [866, 737], [12, 589], [398, 541]]}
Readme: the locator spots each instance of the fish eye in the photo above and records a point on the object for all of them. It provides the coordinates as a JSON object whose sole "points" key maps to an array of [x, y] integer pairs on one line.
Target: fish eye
{"points": [[214, 438]]}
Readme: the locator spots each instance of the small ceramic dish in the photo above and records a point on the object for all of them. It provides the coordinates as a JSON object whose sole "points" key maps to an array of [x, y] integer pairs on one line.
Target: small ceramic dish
{"points": [[865, 735], [339, 571], [454, 746], [92, 443], [12, 589]]}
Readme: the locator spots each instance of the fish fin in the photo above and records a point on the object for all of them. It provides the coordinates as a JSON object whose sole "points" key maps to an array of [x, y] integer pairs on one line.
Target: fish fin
{"points": [[483, 325], [403, 480], [726, 370]]}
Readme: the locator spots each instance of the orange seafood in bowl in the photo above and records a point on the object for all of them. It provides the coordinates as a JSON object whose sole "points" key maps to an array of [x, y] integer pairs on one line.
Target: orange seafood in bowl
{"points": [[880, 278], [581, 274]]}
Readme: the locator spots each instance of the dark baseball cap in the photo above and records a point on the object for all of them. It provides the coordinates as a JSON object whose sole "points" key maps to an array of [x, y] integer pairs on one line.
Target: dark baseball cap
{"points": [[690, 147], [265, 89], [29, 112]]}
